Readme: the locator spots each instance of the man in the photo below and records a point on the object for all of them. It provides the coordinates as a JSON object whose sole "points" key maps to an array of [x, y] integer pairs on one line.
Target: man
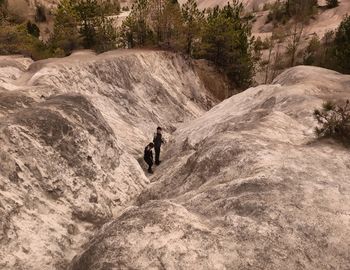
{"points": [[158, 140], [148, 156]]}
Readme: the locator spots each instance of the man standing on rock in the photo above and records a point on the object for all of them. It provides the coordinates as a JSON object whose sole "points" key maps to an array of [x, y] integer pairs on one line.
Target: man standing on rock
{"points": [[158, 141], [148, 156]]}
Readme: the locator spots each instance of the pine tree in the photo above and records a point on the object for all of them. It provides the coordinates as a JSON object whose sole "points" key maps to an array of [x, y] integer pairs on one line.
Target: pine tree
{"points": [[66, 33], [153, 22], [226, 41], [135, 30], [83, 23], [193, 19], [342, 45]]}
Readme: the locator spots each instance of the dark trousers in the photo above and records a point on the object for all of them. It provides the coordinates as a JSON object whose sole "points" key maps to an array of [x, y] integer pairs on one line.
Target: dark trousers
{"points": [[157, 151], [150, 164]]}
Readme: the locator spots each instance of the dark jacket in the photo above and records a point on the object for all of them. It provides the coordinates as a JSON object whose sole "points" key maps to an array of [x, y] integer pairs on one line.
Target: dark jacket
{"points": [[158, 140], [148, 154]]}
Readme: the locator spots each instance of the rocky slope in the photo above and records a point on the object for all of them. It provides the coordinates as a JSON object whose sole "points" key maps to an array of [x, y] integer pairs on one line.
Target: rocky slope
{"points": [[245, 186], [71, 133]]}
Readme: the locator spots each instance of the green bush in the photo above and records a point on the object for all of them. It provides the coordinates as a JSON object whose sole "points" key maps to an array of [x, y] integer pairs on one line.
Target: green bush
{"points": [[226, 41], [15, 39], [334, 121]]}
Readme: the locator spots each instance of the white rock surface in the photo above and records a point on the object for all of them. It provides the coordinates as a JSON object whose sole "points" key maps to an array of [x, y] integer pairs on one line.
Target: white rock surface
{"points": [[245, 186], [72, 132]]}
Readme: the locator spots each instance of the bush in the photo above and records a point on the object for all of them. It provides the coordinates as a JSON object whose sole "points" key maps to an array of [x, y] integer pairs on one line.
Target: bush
{"points": [[332, 3], [278, 13], [40, 14], [15, 39], [334, 121], [311, 53], [33, 29]]}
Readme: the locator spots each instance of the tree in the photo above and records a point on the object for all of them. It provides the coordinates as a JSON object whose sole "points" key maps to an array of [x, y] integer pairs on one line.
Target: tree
{"points": [[282, 11], [165, 21], [294, 42], [66, 33], [135, 29], [226, 40], [84, 23], [153, 22], [312, 51], [342, 45], [193, 18]]}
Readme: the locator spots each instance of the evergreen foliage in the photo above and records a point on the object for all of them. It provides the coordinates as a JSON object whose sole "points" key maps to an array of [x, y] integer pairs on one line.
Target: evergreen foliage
{"points": [[342, 46], [282, 11], [226, 41], [84, 23], [222, 35], [334, 121]]}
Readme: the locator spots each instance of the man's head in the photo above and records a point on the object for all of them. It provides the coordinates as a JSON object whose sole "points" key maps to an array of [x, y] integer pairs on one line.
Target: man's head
{"points": [[159, 130], [151, 145]]}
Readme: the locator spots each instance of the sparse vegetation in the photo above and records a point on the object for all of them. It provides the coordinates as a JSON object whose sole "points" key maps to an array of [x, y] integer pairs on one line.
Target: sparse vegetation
{"points": [[334, 121], [311, 53], [15, 39], [332, 51], [277, 13], [283, 11], [20, 37]]}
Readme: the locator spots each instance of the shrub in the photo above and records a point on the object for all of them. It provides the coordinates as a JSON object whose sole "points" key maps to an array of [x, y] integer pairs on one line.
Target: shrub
{"points": [[278, 13], [334, 121], [33, 29], [40, 14], [332, 3], [312, 51], [15, 39]]}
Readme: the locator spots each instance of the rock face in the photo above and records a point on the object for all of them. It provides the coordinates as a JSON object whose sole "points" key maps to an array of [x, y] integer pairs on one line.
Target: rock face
{"points": [[71, 133], [245, 186]]}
